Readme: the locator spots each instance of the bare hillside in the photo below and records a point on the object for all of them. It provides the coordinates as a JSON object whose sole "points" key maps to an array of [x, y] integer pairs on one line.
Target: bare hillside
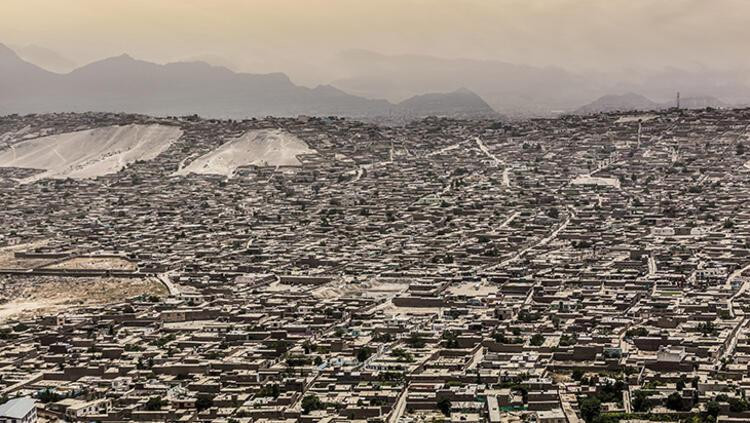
{"points": [[257, 147], [90, 153]]}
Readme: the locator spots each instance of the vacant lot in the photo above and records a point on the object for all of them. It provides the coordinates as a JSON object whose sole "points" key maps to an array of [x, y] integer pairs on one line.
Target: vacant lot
{"points": [[101, 263], [8, 259], [22, 297]]}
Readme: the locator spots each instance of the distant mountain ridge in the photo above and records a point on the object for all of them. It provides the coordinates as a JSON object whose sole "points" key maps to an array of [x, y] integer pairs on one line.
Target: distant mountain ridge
{"points": [[461, 103], [45, 58], [125, 84], [525, 90], [636, 102]]}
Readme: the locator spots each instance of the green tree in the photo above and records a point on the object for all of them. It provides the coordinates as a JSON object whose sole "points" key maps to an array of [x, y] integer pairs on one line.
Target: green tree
{"points": [[269, 391], [738, 405], [21, 327], [674, 402], [154, 403], [415, 341], [451, 339], [591, 408], [445, 406], [311, 403], [48, 395], [636, 332], [363, 354], [537, 340], [713, 408], [640, 401], [204, 403], [707, 328]]}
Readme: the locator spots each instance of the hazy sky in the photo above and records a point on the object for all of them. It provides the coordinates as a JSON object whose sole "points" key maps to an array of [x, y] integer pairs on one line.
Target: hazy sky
{"points": [[265, 35]]}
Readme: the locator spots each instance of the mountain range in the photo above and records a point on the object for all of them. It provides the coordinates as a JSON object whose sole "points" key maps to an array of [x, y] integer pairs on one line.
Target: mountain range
{"points": [[125, 84], [358, 83], [637, 102], [521, 90]]}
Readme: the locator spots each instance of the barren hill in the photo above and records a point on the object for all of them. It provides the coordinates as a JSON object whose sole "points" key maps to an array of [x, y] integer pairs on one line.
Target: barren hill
{"points": [[90, 153], [257, 147]]}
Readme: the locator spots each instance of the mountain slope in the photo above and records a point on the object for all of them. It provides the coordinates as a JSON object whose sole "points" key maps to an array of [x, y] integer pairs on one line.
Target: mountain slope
{"points": [[614, 103], [46, 58], [461, 103], [637, 102], [258, 147], [124, 84], [524, 90], [90, 153], [19, 78], [508, 88]]}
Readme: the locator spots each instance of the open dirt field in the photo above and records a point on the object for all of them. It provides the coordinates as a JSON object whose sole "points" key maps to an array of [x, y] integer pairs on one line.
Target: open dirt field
{"points": [[368, 289], [102, 263], [22, 297], [9, 261], [473, 289]]}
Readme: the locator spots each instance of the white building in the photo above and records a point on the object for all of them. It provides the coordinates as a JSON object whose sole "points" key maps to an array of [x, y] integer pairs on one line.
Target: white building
{"points": [[18, 410]]}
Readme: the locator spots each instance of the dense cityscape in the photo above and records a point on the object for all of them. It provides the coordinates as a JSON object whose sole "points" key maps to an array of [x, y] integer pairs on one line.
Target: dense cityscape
{"points": [[320, 269]]}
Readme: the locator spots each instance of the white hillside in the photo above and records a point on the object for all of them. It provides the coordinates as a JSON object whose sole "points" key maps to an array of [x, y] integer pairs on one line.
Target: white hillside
{"points": [[257, 147], [90, 153]]}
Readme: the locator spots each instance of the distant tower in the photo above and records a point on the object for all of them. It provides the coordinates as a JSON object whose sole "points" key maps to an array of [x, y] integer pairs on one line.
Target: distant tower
{"points": [[678, 99], [639, 133]]}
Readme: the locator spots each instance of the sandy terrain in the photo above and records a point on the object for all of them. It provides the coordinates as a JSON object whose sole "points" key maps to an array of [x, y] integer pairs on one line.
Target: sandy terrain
{"points": [[281, 287], [104, 263], [90, 153], [27, 297], [9, 261], [473, 289], [366, 289], [258, 147], [593, 180], [12, 136]]}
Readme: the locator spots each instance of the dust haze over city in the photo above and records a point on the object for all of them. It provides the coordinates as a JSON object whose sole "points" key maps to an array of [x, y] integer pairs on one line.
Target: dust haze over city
{"points": [[374, 211]]}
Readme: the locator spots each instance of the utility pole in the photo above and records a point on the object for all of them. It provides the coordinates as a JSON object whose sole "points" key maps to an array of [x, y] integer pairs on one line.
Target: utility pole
{"points": [[639, 133]]}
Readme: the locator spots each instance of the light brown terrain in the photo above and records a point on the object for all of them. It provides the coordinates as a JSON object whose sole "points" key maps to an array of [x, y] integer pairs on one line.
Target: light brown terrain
{"points": [[102, 263], [8, 259], [36, 296]]}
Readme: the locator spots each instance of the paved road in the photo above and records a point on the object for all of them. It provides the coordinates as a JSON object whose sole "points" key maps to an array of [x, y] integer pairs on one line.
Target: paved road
{"points": [[508, 220], [565, 402], [399, 407], [446, 149], [736, 274], [651, 265], [486, 151], [626, 400], [506, 177], [542, 242], [730, 303], [476, 358], [733, 340], [167, 281]]}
